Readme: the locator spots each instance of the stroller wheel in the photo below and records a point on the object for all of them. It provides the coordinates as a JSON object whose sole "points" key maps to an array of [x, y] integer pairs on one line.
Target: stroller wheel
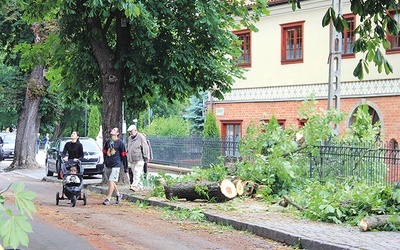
{"points": [[57, 197], [84, 199], [73, 200]]}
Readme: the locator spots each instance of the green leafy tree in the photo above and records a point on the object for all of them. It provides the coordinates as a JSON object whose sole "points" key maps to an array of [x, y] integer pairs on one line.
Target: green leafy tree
{"points": [[31, 60], [14, 227], [157, 106], [94, 122], [130, 50], [11, 90]]}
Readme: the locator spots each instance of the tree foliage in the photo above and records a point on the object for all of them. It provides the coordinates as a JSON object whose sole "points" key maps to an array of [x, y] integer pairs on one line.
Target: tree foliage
{"points": [[145, 47]]}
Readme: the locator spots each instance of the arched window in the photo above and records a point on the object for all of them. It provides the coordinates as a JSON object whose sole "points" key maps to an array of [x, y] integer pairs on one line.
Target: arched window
{"points": [[374, 118], [372, 112]]}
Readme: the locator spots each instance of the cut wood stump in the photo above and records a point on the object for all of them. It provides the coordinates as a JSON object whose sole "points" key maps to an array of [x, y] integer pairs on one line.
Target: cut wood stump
{"points": [[249, 187], [205, 190], [239, 187], [374, 221]]}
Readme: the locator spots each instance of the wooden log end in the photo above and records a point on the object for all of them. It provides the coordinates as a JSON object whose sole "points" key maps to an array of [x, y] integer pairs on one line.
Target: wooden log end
{"points": [[249, 187], [363, 225], [228, 189], [239, 188]]}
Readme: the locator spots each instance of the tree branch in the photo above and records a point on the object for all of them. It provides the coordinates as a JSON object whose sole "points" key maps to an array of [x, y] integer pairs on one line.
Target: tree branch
{"points": [[108, 22]]}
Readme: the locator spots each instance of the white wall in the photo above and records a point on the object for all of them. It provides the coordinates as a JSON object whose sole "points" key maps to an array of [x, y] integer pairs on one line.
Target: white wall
{"points": [[267, 70]]}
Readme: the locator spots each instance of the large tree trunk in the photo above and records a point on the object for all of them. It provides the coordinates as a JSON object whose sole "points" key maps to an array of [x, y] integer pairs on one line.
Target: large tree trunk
{"points": [[111, 77], [29, 120]]}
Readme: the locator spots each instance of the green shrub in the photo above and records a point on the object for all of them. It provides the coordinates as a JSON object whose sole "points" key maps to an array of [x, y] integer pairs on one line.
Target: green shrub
{"points": [[94, 122], [211, 130], [174, 126]]}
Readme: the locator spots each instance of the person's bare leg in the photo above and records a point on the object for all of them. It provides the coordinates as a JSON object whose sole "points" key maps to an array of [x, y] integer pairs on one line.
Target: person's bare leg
{"points": [[110, 191], [111, 186], [115, 188]]}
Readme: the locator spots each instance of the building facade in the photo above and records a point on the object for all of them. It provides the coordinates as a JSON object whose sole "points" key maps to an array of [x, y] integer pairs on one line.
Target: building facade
{"points": [[286, 62]]}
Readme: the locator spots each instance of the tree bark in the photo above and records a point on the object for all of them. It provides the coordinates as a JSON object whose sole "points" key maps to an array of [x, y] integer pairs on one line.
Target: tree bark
{"points": [[371, 222], [29, 120], [204, 190]]}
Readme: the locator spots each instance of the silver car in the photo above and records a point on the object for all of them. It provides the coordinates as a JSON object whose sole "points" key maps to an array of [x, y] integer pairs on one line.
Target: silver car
{"points": [[8, 145]]}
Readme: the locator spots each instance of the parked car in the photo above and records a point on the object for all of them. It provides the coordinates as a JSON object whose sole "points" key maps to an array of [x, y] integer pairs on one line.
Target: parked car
{"points": [[92, 161], [8, 145]]}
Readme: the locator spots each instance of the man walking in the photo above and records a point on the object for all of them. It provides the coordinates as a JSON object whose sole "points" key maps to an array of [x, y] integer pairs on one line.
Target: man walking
{"points": [[114, 156], [138, 154]]}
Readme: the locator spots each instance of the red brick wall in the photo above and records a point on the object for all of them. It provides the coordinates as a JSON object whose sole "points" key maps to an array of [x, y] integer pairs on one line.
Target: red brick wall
{"points": [[387, 107]]}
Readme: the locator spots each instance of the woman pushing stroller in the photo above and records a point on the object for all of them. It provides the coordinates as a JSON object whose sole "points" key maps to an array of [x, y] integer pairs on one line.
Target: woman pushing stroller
{"points": [[73, 150], [72, 171]]}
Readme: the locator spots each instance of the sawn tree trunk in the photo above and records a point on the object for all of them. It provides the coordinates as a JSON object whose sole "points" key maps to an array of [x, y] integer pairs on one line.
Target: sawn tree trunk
{"points": [[204, 190], [371, 222]]}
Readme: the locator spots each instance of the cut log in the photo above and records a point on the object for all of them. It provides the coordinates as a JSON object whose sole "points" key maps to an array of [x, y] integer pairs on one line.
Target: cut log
{"points": [[249, 187], [238, 184], [204, 190], [228, 189], [374, 221], [239, 187]]}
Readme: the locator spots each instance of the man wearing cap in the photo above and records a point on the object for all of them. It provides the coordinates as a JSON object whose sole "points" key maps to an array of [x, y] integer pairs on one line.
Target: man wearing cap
{"points": [[138, 153]]}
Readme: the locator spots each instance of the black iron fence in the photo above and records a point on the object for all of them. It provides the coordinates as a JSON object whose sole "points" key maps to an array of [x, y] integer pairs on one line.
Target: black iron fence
{"points": [[190, 152], [369, 163]]}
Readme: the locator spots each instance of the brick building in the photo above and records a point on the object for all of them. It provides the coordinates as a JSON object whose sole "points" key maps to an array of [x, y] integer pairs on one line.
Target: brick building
{"points": [[287, 61]]}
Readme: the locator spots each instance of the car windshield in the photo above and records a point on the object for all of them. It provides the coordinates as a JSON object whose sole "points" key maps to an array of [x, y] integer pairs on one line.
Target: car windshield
{"points": [[88, 145], [9, 139]]}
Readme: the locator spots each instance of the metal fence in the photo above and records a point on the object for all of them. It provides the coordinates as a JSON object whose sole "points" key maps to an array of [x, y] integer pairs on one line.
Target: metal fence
{"points": [[190, 152], [368, 163]]}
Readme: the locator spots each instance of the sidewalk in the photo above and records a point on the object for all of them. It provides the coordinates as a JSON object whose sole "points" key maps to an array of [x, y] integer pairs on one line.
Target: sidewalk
{"points": [[270, 221]]}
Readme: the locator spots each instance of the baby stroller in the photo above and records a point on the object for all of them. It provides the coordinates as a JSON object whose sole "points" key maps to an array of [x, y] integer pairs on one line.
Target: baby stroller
{"points": [[72, 184]]}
